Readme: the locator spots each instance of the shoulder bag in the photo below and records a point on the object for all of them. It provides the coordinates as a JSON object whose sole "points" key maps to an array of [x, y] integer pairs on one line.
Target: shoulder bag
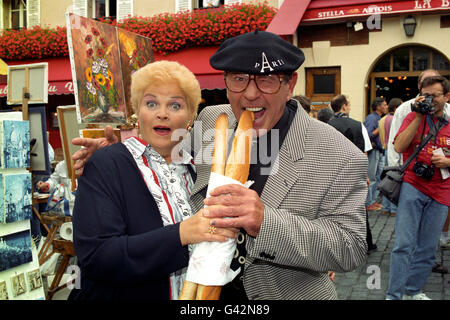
{"points": [[392, 177]]}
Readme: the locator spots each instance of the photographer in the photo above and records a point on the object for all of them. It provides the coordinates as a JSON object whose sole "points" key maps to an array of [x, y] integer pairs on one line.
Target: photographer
{"points": [[424, 199]]}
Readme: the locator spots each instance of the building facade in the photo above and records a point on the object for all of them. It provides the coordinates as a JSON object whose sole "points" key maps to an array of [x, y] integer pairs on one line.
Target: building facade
{"points": [[362, 49]]}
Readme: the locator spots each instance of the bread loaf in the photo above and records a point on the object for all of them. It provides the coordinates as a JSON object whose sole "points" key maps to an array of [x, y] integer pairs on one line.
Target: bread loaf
{"points": [[238, 163], [220, 145], [237, 167], [189, 291]]}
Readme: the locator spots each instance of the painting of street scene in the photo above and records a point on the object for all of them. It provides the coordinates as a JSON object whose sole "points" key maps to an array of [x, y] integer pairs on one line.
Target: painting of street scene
{"points": [[34, 279], [17, 197], [18, 284], [3, 291], [15, 250], [104, 57], [15, 144]]}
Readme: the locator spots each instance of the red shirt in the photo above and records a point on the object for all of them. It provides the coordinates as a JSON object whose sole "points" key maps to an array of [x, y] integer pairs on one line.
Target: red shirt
{"points": [[436, 188]]}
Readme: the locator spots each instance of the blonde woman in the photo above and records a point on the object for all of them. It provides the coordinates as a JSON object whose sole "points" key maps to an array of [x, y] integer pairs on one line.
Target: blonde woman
{"points": [[132, 221]]}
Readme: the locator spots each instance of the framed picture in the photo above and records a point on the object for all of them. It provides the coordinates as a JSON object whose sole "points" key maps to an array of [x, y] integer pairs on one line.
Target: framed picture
{"points": [[34, 77], [15, 250], [34, 279], [16, 197], [3, 291], [14, 144], [102, 58], [18, 284], [69, 128], [40, 162]]}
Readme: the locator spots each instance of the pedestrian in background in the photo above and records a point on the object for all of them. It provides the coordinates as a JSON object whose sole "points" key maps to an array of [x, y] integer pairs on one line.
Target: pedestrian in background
{"points": [[424, 195], [376, 155], [388, 208]]}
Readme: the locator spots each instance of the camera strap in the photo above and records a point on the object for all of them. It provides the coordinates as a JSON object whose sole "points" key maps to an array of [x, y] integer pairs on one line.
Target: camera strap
{"points": [[434, 129]]}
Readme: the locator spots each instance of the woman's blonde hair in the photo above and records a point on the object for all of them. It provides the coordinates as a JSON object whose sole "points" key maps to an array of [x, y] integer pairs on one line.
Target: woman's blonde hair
{"points": [[161, 72]]}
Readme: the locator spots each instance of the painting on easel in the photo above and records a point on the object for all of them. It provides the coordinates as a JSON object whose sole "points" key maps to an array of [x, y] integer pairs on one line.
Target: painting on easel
{"points": [[102, 59]]}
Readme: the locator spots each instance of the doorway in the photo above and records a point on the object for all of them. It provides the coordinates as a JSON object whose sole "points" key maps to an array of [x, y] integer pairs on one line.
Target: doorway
{"points": [[396, 73]]}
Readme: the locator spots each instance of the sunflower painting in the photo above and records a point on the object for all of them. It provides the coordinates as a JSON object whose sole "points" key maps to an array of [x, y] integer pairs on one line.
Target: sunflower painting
{"points": [[101, 71]]}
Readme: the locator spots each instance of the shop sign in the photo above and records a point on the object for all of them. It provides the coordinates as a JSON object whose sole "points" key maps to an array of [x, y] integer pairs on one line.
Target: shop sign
{"points": [[381, 8], [56, 87]]}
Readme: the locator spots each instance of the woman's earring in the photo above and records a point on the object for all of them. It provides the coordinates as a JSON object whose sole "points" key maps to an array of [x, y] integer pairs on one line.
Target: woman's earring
{"points": [[189, 128]]}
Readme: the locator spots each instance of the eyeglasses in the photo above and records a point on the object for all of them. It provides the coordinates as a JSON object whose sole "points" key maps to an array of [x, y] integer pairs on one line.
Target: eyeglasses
{"points": [[436, 95], [267, 83]]}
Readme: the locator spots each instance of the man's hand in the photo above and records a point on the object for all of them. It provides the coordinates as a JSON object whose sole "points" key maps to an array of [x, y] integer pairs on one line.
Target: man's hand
{"points": [[89, 146], [440, 161], [242, 205]]}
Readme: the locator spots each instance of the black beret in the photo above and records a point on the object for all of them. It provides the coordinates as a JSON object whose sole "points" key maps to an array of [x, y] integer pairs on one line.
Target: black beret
{"points": [[257, 52]]}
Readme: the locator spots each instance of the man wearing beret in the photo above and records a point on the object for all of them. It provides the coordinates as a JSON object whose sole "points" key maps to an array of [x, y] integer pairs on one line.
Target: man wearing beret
{"points": [[304, 215]]}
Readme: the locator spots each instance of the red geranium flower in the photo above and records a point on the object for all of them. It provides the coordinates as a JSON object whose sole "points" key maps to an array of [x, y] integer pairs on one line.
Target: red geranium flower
{"points": [[88, 39], [100, 52], [89, 53]]}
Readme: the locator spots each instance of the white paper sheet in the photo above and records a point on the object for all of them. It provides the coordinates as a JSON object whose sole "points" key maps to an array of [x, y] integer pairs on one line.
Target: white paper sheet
{"points": [[210, 262]]}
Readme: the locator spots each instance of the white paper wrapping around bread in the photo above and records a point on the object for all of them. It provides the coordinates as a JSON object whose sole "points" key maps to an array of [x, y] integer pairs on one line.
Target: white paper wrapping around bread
{"points": [[210, 262]]}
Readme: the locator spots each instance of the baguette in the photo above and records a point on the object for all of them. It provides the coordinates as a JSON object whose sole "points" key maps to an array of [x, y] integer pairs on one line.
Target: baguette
{"points": [[190, 290], [220, 145], [238, 163], [237, 167]]}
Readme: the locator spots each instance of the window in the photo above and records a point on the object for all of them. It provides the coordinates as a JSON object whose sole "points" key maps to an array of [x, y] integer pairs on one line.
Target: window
{"points": [[412, 59], [18, 14], [104, 8], [183, 5], [324, 84], [210, 3]]}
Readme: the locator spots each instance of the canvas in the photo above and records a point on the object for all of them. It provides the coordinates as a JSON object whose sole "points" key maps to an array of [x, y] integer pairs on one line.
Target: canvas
{"points": [[34, 279], [14, 144], [16, 197], [18, 284], [40, 162], [103, 58], [15, 250], [68, 129], [3, 291]]}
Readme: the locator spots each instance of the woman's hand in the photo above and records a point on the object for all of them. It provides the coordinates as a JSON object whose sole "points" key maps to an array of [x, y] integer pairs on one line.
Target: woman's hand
{"points": [[197, 229]]}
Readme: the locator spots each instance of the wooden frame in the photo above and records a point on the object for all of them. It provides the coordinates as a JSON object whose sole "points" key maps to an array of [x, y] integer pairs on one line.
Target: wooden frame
{"points": [[69, 128], [33, 77], [40, 164]]}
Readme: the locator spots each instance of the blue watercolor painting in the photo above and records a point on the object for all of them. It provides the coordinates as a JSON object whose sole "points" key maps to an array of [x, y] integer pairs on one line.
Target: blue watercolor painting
{"points": [[16, 144], [17, 197]]}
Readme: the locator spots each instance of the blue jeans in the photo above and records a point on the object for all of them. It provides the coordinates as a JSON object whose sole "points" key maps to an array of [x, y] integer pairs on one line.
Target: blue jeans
{"points": [[387, 205], [418, 226], [376, 164]]}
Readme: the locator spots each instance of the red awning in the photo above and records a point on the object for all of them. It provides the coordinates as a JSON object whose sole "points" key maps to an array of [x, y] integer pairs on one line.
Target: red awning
{"points": [[197, 60], [288, 17], [59, 76]]}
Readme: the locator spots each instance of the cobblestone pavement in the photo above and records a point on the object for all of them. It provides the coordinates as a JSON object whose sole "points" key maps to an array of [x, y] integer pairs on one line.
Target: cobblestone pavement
{"points": [[361, 284]]}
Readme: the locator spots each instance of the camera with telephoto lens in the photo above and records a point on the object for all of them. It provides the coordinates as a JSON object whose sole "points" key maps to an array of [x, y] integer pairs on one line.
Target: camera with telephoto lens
{"points": [[422, 170], [424, 107]]}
